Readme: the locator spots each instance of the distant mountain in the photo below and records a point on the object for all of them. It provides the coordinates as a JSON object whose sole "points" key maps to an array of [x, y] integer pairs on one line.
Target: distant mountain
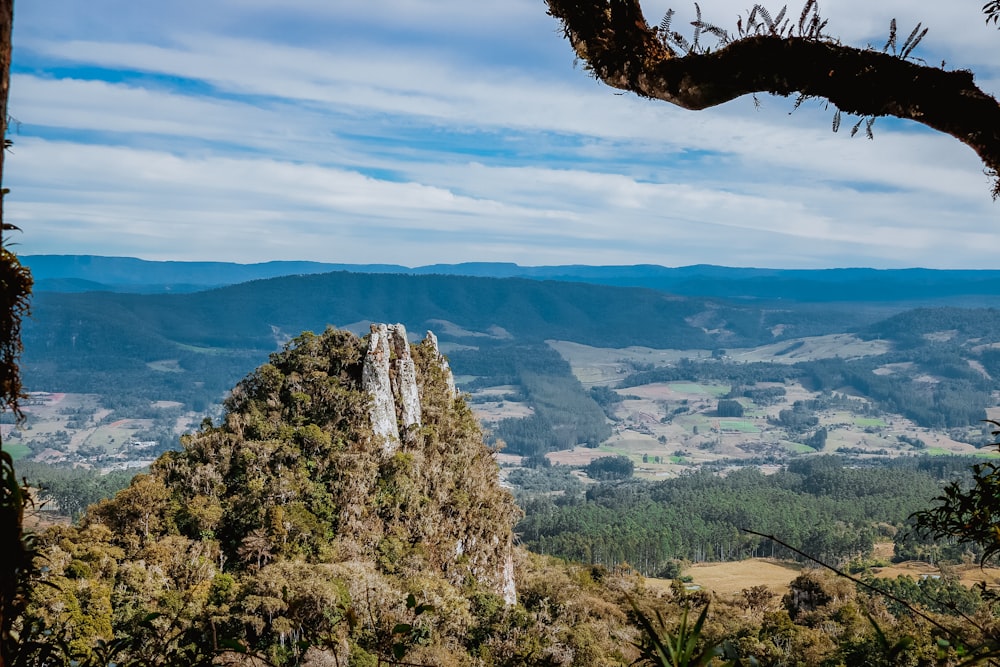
{"points": [[90, 341], [128, 274], [65, 273]]}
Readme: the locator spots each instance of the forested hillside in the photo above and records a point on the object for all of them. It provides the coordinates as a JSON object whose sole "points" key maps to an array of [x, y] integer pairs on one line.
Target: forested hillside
{"points": [[288, 531], [287, 521], [831, 512], [134, 350]]}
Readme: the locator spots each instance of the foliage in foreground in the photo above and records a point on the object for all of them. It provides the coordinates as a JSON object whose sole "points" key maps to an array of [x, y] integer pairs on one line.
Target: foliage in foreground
{"points": [[17, 550]]}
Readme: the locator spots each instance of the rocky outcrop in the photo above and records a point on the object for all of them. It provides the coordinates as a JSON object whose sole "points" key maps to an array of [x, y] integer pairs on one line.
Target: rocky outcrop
{"points": [[376, 380], [509, 590], [403, 373], [443, 362], [345, 476], [390, 378]]}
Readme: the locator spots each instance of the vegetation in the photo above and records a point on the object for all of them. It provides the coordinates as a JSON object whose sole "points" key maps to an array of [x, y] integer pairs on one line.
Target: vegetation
{"points": [[277, 526], [286, 532], [729, 408], [135, 350], [610, 468], [529, 482], [957, 397], [831, 511], [72, 490], [968, 513], [16, 557], [15, 287]]}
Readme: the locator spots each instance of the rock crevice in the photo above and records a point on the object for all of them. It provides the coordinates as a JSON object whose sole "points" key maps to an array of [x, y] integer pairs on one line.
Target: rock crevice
{"points": [[390, 378]]}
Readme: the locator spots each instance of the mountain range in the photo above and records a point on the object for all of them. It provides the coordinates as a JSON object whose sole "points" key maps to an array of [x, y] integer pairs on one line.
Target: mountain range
{"points": [[79, 273]]}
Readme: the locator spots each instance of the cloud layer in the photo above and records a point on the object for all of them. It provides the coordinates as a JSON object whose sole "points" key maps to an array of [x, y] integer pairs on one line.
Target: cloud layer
{"points": [[424, 131]]}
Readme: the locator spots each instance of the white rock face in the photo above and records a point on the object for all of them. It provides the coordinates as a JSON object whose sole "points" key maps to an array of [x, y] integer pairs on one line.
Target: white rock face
{"points": [[449, 377], [390, 376], [376, 381], [403, 373], [509, 587]]}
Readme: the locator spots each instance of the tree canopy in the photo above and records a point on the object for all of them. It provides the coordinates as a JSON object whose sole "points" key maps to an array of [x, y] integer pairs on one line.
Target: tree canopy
{"points": [[780, 56]]}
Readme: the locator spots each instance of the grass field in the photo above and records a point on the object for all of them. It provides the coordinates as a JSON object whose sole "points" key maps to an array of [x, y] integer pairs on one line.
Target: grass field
{"points": [[602, 365], [812, 348], [731, 578], [700, 389], [987, 453], [682, 414], [937, 451], [738, 425], [16, 450], [617, 451]]}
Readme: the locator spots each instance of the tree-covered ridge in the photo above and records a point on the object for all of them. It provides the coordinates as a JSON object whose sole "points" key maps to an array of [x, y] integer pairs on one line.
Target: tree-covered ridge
{"points": [[234, 539], [828, 510], [135, 351], [82, 273], [564, 414], [277, 523], [105, 343]]}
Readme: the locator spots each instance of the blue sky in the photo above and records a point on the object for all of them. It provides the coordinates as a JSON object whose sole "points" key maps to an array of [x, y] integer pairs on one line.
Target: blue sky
{"points": [[425, 131]]}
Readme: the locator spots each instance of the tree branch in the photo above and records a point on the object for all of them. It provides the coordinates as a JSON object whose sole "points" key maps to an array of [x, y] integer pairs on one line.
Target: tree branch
{"points": [[620, 48]]}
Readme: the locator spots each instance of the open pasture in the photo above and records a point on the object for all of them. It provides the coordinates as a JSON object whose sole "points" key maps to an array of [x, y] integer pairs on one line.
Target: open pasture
{"points": [[740, 425], [605, 365], [733, 577], [847, 346], [16, 450]]}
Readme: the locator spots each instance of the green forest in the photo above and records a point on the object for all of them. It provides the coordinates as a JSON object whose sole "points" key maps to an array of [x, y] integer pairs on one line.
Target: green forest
{"points": [[205, 464], [832, 512]]}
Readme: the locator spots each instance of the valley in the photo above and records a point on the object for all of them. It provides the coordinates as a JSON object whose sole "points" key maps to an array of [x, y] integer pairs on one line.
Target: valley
{"points": [[669, 427], [636, 455], [664, 427]]}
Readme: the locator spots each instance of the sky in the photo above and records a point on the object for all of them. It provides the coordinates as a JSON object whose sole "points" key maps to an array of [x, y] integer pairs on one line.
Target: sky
{"points": [[417, 132]]}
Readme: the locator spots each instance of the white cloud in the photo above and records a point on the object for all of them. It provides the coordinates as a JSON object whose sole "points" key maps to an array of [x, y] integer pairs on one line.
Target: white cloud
{"points": [[414, 132]]}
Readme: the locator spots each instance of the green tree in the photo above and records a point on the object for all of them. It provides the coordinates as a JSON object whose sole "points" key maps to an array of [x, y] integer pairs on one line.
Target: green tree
{"points": [[968, 513], [729, 408], [610, 467]]}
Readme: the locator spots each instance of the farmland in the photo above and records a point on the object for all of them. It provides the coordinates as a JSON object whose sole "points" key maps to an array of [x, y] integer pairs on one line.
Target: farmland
{"points": [[74, 428]]}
